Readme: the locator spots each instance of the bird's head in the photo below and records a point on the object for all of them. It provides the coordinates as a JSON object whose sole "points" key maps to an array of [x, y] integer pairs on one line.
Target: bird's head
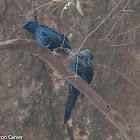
{"points": [[30, 26], [88, 54]]}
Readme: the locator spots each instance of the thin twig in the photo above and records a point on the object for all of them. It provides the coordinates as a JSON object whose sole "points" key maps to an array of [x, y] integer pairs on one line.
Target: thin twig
{"points": [[61, 45], [70, 57], [128, 31], [113, 26], [134, 30], [35, 9], [76, 64], [99, 25], [106, 67], [55, 9], [127, 42], [128, 10], [118, 20], [63, 41], [43, 6], [93, 31], [124, 9]]}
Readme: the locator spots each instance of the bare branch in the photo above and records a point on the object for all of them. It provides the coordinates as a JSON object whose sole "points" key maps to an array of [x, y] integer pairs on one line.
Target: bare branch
{"points": [[124, 9], [113, 26], [134, 34], [47, 56], [118, 19], [127, 42], [99, 25], [128, 31]]}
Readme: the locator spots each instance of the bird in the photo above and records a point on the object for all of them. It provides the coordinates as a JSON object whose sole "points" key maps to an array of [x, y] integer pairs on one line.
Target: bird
{"points": [[86, 71], [48, 37]]}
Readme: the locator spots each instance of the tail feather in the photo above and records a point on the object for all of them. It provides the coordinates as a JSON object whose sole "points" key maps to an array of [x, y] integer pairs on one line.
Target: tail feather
{"points": [[73, 94]]}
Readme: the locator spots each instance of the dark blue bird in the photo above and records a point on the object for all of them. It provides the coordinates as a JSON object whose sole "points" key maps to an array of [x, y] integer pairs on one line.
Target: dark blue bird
{"points": [[85, 71], [48, 38]]}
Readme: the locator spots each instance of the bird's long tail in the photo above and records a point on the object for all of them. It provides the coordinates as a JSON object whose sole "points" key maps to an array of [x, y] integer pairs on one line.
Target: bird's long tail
{"points": [[72, 49], [73, 94]]}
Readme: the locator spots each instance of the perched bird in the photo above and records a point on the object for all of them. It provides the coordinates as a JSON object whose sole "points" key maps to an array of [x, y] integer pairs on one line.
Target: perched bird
{"points": [[48, 38], [85, 71]]}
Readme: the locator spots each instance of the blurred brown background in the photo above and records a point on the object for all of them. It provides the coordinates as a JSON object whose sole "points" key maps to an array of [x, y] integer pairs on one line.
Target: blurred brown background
{"points": [[33, 97]]}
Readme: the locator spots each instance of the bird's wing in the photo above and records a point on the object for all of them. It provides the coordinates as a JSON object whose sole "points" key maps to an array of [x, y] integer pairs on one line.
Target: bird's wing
{"points": [[89, 74], [52, 35], [56, 37], [85, 71], [73, 94]]}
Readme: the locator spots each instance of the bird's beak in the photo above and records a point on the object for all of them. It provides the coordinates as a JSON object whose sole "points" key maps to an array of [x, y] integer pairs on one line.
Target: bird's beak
{"points": [[20, 28]]}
